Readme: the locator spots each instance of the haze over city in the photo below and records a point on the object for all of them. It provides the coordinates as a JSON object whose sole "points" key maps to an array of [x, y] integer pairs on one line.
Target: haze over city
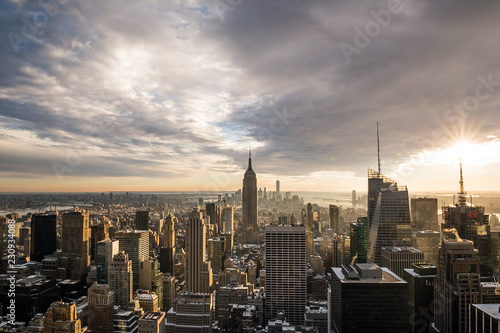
{"points": [[116, 96]]}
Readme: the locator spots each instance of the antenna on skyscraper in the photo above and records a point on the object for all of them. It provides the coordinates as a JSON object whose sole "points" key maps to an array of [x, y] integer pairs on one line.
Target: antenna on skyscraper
{"points": [[250, 157], [378, 148]]}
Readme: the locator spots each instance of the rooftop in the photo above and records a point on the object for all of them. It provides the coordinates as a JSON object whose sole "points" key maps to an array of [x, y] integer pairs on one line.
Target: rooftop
{"points": [[387, 276], [492, 310], [404, 249], [153, 316]]}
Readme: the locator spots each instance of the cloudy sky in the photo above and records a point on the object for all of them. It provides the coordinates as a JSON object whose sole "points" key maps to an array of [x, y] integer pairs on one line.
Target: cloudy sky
{"points": [[168, 95]]}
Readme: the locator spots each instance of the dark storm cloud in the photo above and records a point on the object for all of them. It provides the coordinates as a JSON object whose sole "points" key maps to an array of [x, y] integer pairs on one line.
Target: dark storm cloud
{"points": [[427, 59], [183, 87]]}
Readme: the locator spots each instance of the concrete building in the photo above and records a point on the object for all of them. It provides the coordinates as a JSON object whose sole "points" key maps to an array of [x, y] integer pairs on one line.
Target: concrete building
{"points": [[100, 308], [33, 294], [286, 272], [98, 232], [399, 258], [120, 278], [217, 253], [61, 318], [136, 245], [192, 312], [215, 214], [228, 220], [167, 252], [126, 321], [106, 250], [316, 316], [457, 286], [227, 295], [198, 274], [152, 322], [142, 220], [148, 300], [150, 278], [75, 244], [485, 318], [169, 291], [35, 325], [366, 298]]}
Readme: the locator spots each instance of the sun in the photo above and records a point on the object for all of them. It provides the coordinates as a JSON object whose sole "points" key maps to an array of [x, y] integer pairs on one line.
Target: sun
{"points": [[470, 153]]}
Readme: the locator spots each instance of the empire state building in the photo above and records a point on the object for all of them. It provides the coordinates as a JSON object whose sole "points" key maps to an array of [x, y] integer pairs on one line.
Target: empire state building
{"points": [[250, 232]]}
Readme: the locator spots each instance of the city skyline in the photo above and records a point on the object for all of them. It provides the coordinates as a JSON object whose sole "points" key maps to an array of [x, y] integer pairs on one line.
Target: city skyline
{"points": [[172, 100]]}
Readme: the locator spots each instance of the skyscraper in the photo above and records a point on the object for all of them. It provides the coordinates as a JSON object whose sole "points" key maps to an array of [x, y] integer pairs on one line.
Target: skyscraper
{"points": [[33, 294], [424, 214], [142, 220], [334, 218], [399, 258], [457, 286], [43, 236], [120, 278], [391, 224], [228, 233], [278, 193], [167, 252], [250, 232], [62, 318], [75, 243], [217, 253], [228, 218], [150, 278], [196, 250], [359, 239], [286, 272], [428, 242], [471, 223], [169, 291], [106, 250], [136, 245], [376, 181], [214, 211], [98, 233], [420, 296], [101, 302], [310, 220], [366, 298]]}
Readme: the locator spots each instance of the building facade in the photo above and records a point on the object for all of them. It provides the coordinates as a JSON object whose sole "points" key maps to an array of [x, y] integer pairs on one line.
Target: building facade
{"points": [[286, 272], [250, 232]]}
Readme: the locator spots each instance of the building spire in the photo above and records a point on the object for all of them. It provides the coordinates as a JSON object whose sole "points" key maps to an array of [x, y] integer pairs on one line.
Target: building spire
{"points": [[378, 149], [250, 158], [462, 199]]}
